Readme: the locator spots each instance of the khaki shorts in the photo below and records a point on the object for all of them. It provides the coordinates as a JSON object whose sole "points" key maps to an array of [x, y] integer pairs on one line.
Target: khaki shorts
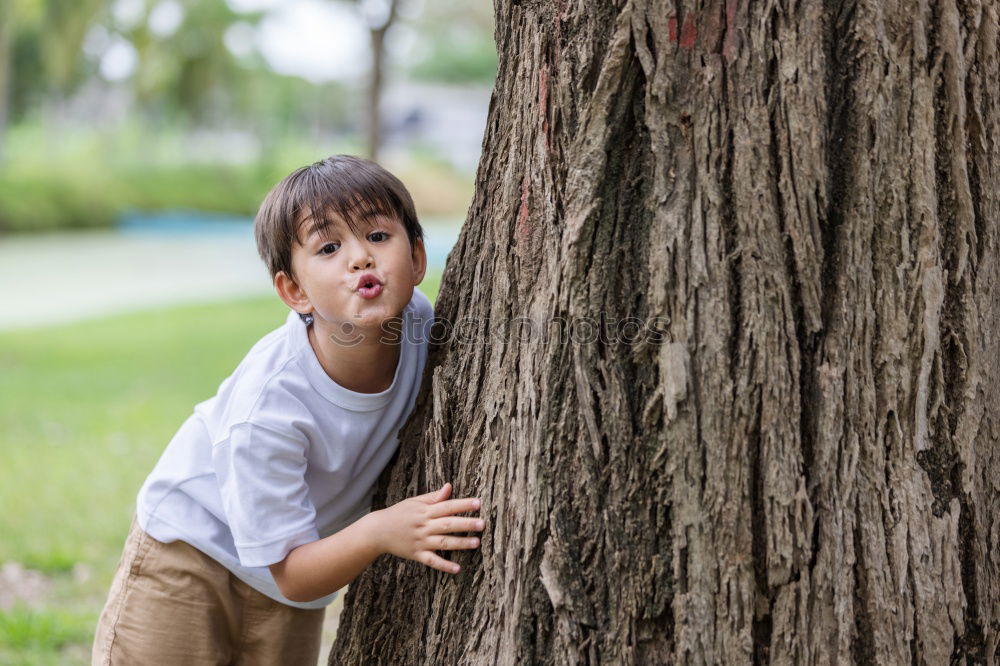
{"points": [[172, 604]]}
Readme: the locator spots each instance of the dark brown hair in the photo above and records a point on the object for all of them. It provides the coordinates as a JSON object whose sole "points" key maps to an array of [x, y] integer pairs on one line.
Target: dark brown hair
{"points": [[351, 188]]}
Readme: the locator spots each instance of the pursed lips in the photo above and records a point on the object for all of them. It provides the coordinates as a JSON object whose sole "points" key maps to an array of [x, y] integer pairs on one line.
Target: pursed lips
{"points": [[367, 280]]}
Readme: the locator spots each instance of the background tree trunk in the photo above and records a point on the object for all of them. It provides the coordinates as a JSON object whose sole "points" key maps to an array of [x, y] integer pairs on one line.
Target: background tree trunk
{"points": [[806, 469], [376, 81]]}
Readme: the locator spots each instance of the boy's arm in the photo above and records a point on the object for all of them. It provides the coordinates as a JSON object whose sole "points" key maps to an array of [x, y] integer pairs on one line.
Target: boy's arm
{"points": [[412, 529], [316, 569]]}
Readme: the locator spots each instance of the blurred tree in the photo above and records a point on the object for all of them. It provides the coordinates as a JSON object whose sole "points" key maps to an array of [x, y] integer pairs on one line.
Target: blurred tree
{"points": [[458, 41], [181, 67], [190, 75], [380, 15], [65, 25], [185, 69], [40, 44]]}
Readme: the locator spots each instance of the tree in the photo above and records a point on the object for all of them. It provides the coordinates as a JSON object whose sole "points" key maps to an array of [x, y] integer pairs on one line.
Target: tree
{"points": [[64, 28], [379, 16], [804, 198], [189, 72]]}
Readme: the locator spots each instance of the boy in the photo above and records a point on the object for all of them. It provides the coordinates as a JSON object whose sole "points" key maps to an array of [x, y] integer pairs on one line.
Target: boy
{"points": [[258, 510]]}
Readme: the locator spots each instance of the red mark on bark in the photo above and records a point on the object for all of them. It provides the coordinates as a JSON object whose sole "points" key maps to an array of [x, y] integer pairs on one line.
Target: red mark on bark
{"points": [[688, 33], [543, 90], [727, 43], [543, 104], [523, 230]]}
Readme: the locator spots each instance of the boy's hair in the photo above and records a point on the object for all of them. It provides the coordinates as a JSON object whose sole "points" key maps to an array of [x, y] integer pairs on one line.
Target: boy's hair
{"points": [[352, 188]]}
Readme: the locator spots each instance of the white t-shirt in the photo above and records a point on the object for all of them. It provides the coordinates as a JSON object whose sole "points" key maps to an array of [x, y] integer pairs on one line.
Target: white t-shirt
{"points": [[282, 455]]}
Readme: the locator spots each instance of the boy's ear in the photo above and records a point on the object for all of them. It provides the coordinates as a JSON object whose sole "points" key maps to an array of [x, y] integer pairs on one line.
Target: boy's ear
{"points": [[291, 293], [419, 261]]}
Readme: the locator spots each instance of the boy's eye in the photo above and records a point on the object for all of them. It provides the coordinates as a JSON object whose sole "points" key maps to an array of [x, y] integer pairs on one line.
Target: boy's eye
{"points": [[329, 248], [378, 233]]}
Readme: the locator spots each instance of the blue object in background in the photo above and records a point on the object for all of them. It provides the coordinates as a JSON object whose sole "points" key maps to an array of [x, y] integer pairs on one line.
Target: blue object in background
{"points": [[183, 222], [439, 236]]}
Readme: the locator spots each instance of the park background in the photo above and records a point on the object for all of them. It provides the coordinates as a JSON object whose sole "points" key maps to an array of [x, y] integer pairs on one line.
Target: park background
{"points": [[137, 138]]}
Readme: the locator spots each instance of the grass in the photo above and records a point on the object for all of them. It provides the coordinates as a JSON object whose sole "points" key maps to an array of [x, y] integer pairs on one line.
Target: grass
{"points": [[88, 407], [50, 636]]}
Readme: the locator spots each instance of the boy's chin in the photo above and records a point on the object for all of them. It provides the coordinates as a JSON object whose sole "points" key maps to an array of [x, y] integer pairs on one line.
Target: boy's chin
{"points": [[375, 321]]}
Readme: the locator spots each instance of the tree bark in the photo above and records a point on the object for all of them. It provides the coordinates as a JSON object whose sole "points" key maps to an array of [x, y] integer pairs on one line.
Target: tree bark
{"points": [[805, 198]]}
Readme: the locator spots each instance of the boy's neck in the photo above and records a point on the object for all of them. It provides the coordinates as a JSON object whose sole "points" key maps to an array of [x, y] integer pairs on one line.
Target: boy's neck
{"points": [[366, 367]]}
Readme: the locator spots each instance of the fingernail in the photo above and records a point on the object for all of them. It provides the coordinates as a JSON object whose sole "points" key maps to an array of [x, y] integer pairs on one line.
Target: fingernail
{"points": [[475, 542], [455, 568], [476, 503], [480, 524]]}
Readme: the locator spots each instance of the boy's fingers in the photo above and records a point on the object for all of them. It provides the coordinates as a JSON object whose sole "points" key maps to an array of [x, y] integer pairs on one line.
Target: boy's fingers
{"points": [[453, 543], [445, 525], [454, 506], [436, 495], [438, 562]]}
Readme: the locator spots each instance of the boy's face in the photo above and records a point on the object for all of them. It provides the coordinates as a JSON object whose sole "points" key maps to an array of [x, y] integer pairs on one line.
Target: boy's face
{"points": [[329, 266]]}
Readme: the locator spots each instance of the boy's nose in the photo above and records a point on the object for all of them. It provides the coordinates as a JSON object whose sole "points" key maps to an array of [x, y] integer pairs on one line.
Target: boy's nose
{"points": [[364, 261]]}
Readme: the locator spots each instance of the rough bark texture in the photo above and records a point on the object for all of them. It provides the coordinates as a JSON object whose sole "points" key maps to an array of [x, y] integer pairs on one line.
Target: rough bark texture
{"points": [[806, 470]]}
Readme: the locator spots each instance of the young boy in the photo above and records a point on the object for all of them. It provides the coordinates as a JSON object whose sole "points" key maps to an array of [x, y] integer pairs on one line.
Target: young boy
{"points": [[259, 508]]}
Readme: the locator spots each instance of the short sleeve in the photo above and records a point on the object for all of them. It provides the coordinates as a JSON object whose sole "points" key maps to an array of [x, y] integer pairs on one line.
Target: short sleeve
{"points": [[423, 315], [261, 475]]}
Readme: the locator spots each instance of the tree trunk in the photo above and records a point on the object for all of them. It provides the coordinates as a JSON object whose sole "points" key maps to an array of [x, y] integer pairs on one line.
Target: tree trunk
{"points": [[805, 198], [376, 82], [375, 94]]}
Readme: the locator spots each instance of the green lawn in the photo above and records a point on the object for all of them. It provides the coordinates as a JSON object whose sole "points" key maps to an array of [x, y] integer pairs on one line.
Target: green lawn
{"points": [[86, 410]]}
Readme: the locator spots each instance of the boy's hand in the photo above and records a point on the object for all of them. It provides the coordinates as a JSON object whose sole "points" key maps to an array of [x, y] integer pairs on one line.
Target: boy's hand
{"points": [[416, 527]]}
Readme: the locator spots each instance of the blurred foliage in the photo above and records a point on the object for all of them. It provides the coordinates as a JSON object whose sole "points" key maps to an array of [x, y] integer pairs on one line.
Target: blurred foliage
{"points": [[192, 66], [457, 40], [73, 198], [77, 147], [189, 73], [63, 28], [43, 57], [85, 180]]}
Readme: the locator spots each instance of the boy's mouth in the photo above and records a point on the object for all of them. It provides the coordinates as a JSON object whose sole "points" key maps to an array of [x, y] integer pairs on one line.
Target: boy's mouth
{"points": [[370, 292], [367, 281], [369, 286]]}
